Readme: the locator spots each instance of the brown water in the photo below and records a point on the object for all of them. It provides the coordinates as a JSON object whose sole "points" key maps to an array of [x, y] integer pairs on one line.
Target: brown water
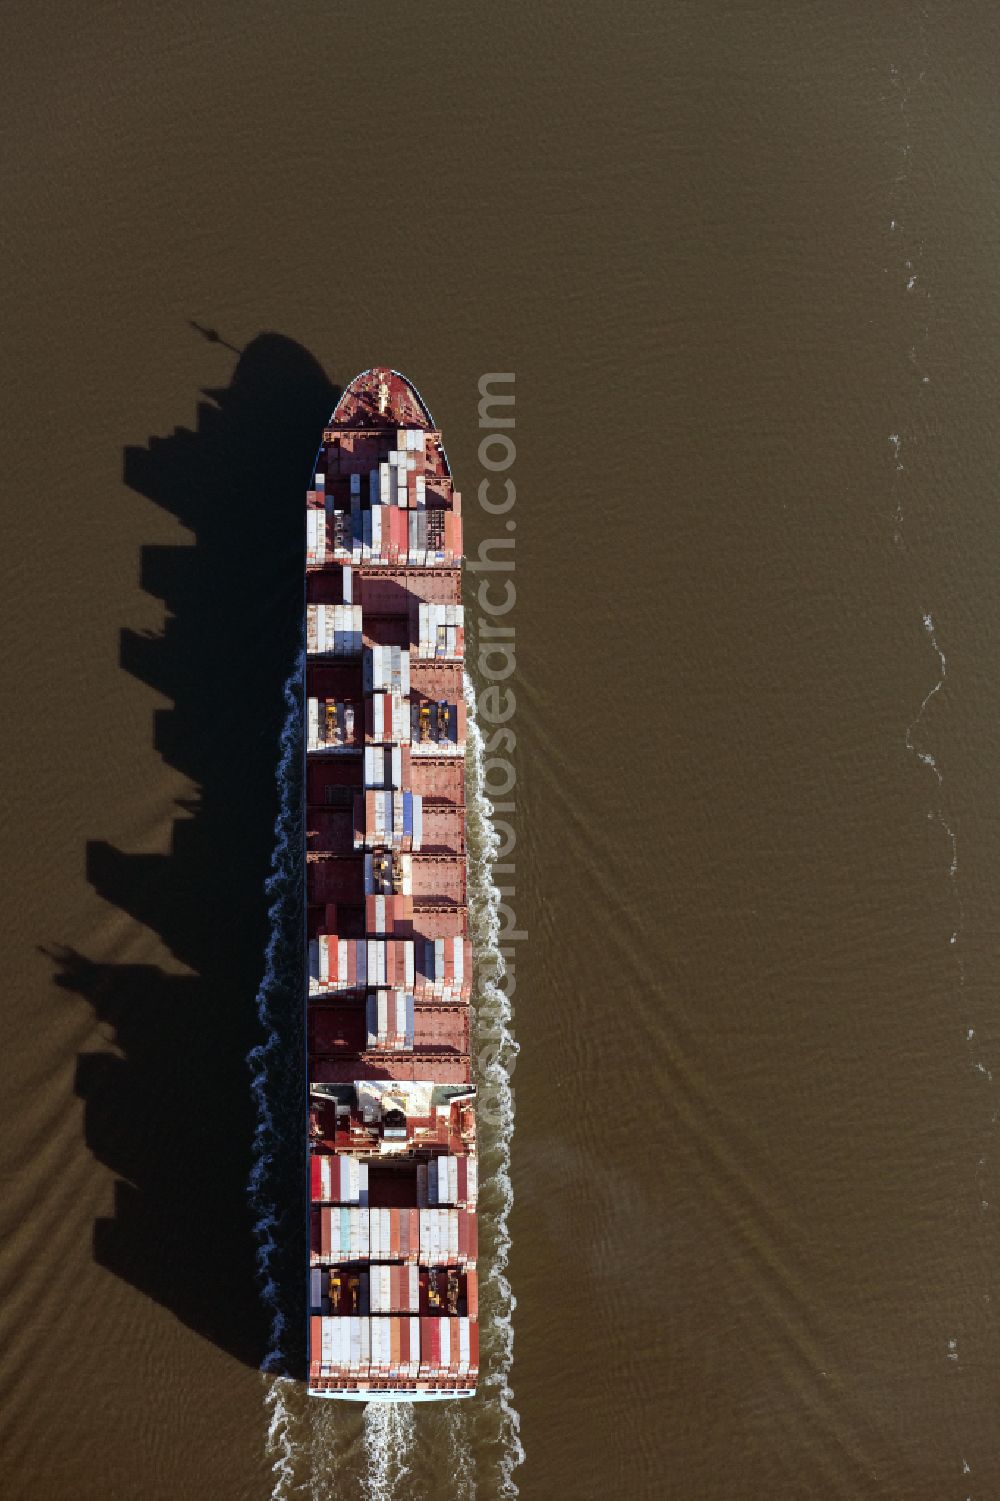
{"points": [[743, 263]]}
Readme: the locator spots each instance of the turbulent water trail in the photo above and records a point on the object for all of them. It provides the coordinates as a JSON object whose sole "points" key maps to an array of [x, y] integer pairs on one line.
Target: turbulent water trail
{"points": [[389, 1436], [496, 1057], [275, 1090]]}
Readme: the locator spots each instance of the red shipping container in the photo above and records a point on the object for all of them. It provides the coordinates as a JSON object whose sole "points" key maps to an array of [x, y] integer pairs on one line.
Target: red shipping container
{"points": [[472, 1294], [463, 1179], [324, 1233], [315, 1340], [430, 1344], [461, 720], [315, 1178]]}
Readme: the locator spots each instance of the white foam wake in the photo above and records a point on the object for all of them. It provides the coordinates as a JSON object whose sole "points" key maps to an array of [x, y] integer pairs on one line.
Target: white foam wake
{"points": [[389, 1433], [269, 1066], [497, 1055]]}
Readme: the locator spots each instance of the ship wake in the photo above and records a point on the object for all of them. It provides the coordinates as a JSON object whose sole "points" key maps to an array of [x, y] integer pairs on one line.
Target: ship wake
{"points": [[496, 1057], [276, 1089]]}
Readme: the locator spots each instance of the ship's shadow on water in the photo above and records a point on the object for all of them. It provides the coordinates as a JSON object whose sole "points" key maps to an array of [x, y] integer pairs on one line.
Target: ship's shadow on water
{"points": [[172, 1115]]}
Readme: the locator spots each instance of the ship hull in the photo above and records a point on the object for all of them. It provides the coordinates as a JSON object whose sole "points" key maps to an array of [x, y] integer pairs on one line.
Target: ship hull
{"points": [[392, 1160]]}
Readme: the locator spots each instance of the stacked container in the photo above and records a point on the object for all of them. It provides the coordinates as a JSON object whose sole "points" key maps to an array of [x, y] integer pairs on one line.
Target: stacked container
{"points": [[444, 969], [388, 914], [385, 818], [338, 1179], [387, 718], [333, 629], [440, 631], [387, 670], [316, 528], [390, 1020], [395, 1289], [383, 767]]}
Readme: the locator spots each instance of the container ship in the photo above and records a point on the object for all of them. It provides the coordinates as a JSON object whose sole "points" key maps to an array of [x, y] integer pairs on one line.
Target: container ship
{"points": [[392, 1161]]}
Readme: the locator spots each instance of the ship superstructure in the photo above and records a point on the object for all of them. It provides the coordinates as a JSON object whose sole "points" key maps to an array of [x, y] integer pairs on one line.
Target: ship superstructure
{"points": [[393, 1169]]}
